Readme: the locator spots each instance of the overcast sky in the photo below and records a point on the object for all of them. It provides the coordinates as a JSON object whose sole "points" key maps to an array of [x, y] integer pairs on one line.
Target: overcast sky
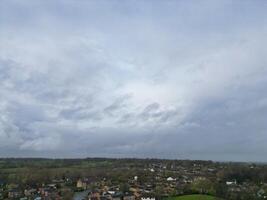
{"points": [[167, 79]]}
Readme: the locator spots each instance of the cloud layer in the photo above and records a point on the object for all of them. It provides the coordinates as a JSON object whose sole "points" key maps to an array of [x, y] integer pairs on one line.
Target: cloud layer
{"points": [[134, 79]]}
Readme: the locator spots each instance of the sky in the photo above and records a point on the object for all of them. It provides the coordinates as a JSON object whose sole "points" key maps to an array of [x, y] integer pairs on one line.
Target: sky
{"points": [[172, 79]]}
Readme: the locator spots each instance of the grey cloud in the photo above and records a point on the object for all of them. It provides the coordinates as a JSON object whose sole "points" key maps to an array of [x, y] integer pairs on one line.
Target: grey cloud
{"points": [[168, 115], [127, 118], [176, 79], [149, 111], [151, 108], [118, 104], [81, 114], [154, 112]]}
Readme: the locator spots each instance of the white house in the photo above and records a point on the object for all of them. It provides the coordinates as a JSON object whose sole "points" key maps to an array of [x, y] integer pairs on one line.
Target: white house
{"points": [[231, 182], [148, 198], [170, 179]]}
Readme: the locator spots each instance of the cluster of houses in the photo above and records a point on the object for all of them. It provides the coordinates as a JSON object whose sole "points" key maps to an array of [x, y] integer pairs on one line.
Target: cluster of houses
{"points": [[45, 192], [162, 181], [106, 192]]}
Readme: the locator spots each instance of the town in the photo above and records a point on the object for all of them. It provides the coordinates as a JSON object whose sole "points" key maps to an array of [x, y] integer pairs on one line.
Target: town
{"points": [[129, 179]]}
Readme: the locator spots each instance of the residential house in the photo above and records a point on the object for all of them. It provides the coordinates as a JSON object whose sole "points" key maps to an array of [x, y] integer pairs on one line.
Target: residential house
{"points": [[231, 182], [94, 196], [14, 193], [148, 198], [82, 184], [30, 192], [117, 196], [128, 196], [170, 179]]}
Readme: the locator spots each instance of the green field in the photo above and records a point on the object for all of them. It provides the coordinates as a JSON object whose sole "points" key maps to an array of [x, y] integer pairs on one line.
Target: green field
{"points": [[193, 197]]}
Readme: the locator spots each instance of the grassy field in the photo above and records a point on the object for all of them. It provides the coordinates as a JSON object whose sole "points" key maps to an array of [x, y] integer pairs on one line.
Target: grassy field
{"points": [[193, 197]]}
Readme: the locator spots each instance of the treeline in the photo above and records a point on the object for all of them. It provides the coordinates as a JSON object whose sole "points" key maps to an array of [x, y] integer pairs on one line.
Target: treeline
{"points": [[34, 169], [245, 173], [58, 163]]}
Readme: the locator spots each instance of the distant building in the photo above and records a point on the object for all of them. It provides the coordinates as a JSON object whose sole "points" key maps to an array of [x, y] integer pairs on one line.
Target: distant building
{"points": [[94, 196], [82, 184], [170, 179], [231, 182], [14, 193], [117, 196], [148, 198], [30, 191], [128, 196]]}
